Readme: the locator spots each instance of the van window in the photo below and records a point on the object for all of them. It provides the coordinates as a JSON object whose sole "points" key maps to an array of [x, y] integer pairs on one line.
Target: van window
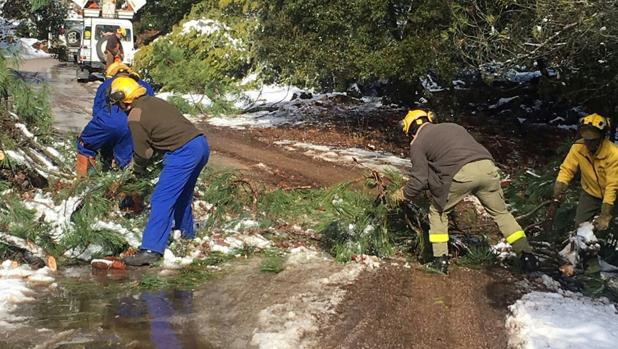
{"points": [[107, 29]]}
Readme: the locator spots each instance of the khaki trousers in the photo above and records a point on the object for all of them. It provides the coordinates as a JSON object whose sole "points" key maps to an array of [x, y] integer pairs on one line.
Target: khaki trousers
{"points": [[481, 179]]}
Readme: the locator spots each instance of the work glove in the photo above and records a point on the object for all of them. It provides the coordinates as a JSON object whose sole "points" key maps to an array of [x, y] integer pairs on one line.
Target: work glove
{"points": [[548, 224], [602, 222], [559, 190]]}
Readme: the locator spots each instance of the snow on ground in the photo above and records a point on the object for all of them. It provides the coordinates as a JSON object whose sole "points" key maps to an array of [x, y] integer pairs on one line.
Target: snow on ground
{"points": [[133, 238], [259, 119], [268, 94], [23, 48], [209, 27], [562, 320], [58, 216], [18, 285], [27, 51], [292, 322], [583, 240], [430, 84], [193, 99], [375, 160]]}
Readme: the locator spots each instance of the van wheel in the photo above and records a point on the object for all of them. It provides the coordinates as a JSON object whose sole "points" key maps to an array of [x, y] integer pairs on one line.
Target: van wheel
{"points": [[101, 49]]}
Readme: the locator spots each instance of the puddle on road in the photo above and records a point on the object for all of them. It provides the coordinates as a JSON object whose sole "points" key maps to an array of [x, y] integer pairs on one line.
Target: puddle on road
{"points": [[240, 307], [107, 311]]}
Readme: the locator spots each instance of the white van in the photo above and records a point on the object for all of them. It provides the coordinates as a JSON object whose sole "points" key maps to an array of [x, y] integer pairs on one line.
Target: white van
{"points": [[94, 39]]}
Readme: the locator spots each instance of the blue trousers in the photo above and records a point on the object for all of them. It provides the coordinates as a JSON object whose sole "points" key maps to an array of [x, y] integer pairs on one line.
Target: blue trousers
{"points": [[109, 133], [173, 195]]}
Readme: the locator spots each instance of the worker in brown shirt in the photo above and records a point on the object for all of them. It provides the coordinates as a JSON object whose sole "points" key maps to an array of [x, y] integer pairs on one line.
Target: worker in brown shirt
{"points": [[113, 48], [448, 164], [158, 126]]}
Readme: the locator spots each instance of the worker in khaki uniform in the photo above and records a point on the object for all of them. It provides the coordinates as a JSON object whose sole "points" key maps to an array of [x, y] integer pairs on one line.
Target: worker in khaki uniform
{"points": [[449, 164], [158, 126], [597, 159]]}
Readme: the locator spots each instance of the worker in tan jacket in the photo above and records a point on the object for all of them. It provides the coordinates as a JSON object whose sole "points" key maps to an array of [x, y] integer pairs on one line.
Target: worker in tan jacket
{"points": [[448, 164], [596, 158]]}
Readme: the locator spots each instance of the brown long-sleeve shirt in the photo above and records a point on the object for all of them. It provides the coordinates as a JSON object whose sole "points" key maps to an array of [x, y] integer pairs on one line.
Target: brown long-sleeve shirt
{"points": [[156, 125], [438, 152], [114, 45]]}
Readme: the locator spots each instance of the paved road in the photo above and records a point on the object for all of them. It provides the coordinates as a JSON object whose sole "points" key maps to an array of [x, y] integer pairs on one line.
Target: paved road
{"points": [[71, 101]]}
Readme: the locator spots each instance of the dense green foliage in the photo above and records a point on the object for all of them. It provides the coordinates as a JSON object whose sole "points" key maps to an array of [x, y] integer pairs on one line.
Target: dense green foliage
{"points": [[328, 45], [38, 17], [207, 56], [151, 15]]}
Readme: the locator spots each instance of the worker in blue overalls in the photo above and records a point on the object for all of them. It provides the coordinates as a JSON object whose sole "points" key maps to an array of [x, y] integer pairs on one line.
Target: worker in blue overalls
{"points": [[107, 132]]}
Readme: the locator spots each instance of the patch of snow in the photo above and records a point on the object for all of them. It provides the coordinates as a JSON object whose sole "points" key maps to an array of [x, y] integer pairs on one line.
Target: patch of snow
{"points": [[15, 282], [258, 119], [502, 101], [209, 27], [290, 323], [132, 238], [24, 130], [191, 98], [267, 94], [430, 85], [86, 254], [583, 240], [54, 152], [568, 127], [503, 250], [25, 50], [459, 84], [58, 216], [17, 156], [170, 261], [203, 26], [562, 321], [375, 160], [522, 77]]}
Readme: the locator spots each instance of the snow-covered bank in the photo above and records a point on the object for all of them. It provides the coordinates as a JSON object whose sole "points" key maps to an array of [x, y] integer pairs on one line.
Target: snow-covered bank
{"points": [[23, 48], [563, 320]]}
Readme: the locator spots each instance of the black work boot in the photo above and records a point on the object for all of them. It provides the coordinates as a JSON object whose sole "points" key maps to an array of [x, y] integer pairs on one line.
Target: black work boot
{"points": [[529, 262], [143, 257], [438, 265]]}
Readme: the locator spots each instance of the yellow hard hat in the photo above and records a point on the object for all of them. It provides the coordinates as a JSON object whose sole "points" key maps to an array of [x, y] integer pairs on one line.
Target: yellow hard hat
{"points": [[122, 31], [115, 68], [415, 117], [125, 89], [593, 126]]}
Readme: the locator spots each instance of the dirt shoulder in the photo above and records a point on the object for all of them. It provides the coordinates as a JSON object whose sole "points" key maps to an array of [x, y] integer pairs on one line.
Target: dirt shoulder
{"points": [[395, 307], [267, 162]]}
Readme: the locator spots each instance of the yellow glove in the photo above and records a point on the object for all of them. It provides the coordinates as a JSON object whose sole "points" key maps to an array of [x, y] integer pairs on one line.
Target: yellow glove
{"points": [[398, 196], [602, 222]]}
